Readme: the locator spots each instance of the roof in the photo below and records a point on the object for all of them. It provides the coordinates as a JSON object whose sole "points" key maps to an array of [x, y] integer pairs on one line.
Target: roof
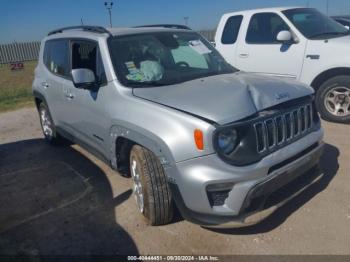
{"points": [[270, 9], [97, 32], [140, 30]]}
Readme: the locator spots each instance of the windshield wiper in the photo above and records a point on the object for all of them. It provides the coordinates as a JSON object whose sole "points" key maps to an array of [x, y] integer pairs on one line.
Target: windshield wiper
{"points": [[329, 33], [145, 84]]}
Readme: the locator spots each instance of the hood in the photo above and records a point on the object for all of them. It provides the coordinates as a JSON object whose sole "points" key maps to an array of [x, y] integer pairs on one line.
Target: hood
{"points": [[225, 98], [342, 40]]}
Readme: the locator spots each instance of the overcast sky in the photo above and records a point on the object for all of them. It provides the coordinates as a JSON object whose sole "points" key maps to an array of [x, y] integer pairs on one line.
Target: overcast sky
{"points": [[27, 20]]}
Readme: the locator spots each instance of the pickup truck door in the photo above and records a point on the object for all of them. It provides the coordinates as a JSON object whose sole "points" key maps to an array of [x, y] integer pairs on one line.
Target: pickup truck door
{"points": [[260, 52]]}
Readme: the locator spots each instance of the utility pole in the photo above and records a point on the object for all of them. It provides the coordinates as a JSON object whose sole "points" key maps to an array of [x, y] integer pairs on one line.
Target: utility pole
{"points": [[109, 6], [327, 3], [81, 21], [186, 18]]}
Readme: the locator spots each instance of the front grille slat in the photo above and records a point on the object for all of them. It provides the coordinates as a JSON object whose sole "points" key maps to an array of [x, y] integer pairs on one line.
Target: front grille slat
{"points": [[260, 137], [295, 123], [270, 133], [289, 125], [279, 130]]}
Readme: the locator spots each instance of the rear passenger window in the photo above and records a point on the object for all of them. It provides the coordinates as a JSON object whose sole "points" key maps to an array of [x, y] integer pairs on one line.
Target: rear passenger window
{"points": [[264, 28], [231, 30], [85, 54], [56, 57]]}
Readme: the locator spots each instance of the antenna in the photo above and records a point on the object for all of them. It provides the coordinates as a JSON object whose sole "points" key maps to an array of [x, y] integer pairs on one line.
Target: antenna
{"points": [[109, 6]]}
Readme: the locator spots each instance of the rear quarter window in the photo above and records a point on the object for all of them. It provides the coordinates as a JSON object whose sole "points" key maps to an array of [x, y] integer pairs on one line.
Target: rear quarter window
{"points": [[231, 29]]}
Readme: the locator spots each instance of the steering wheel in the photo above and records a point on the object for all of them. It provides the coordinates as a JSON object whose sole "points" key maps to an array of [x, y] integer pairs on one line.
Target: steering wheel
{"points": [[182, 64]]}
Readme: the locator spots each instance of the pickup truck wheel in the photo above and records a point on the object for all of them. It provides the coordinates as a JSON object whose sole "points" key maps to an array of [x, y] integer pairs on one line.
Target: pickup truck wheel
{"points": [[48, 126], [151, 189], [333, 99]]}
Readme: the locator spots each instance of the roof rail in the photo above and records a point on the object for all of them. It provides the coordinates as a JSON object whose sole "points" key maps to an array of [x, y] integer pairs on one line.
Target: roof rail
{"points": [[174, 26], [95, 29]]}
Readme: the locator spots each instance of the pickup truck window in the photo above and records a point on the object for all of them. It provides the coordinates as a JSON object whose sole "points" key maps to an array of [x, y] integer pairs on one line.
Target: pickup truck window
{"points": [[264, 27], [231, 29], [313, 24], [165, 58]]}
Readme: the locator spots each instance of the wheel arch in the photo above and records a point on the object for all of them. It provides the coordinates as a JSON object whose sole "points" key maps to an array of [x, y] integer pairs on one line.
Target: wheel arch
{"points": [[124, 137], [38, 98], [330, 73]]}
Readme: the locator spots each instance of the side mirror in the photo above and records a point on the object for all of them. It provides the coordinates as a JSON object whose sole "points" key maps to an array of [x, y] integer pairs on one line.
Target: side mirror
{"points": [[284, 36], [83, 78], [347, 27]]}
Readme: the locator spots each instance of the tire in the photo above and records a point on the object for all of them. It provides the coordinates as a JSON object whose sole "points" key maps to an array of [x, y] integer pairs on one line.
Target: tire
{"points": [[149, 178], [48, 126], [333, 99]]}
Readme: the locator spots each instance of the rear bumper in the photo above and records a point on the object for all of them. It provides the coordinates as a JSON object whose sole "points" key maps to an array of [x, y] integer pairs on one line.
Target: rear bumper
{"points": [[263, 197]]}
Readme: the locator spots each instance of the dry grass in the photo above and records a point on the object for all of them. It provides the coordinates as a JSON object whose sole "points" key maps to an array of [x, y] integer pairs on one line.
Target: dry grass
{"points": [[15, 86]]}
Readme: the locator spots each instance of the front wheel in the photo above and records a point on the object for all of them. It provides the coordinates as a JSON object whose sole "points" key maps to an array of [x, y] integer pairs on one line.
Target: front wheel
{"points": [[151, 189], [333, 99]]}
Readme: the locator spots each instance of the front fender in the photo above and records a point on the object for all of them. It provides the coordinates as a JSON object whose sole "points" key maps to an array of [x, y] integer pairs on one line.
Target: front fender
{"points": [[142, 137]]}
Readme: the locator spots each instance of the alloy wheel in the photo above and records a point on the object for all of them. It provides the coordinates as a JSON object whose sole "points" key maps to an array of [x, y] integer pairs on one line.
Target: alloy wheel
{"points": [[337, 101], [46, 123]]}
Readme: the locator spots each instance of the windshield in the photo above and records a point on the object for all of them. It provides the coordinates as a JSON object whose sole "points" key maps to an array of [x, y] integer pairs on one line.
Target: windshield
{"points": [[313, 24], [165, 58]]}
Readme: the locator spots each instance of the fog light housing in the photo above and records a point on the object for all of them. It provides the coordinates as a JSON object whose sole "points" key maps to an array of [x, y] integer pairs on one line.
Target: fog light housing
{"points": [[218, 193]]}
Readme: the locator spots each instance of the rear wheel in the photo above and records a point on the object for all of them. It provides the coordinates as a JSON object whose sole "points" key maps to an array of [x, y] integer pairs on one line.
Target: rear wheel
{"points": [[151, 189], [333, 99], [48, 126]]}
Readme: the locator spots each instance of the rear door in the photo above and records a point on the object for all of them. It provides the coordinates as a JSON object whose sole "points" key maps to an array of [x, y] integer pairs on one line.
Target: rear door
{"points": [[260, 52], [55, 77]]}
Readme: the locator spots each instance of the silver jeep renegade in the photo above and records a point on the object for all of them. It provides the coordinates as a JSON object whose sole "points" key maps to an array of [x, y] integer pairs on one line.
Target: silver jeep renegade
{"points": [[161, 105]]}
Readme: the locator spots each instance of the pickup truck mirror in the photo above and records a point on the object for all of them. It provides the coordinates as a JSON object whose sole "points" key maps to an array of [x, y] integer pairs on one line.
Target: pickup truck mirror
{"points": [[284, 36], [83, 78]]}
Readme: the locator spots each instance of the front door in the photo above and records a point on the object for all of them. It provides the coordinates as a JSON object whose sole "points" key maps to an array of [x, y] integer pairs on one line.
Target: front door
{"points": [[88, 116], [262, 53]]}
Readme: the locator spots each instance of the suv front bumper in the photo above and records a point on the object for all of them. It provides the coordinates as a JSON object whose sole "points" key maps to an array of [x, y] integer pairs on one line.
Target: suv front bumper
{"points": [[258, 190]]}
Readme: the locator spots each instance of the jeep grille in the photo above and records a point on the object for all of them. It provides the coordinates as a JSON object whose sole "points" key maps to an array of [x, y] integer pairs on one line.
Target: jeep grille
{"points": [[280, 129]]}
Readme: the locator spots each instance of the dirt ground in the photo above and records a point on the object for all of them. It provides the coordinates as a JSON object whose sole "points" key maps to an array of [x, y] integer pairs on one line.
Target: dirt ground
{"points": [[62, 200]]}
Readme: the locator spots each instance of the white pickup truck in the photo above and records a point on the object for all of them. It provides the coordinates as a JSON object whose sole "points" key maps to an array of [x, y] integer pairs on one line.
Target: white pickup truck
{"points": [[296, 43]]}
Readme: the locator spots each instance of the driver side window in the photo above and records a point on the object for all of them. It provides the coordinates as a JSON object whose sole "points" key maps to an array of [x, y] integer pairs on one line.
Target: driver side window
{"points": [[264, 28], [85, 54]]}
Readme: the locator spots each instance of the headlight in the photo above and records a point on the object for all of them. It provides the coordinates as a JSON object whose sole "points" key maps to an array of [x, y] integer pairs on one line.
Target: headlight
{"points": [[227, 141]]}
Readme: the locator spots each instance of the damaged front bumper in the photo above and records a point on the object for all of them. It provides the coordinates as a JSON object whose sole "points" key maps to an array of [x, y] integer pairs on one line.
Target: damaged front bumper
{"points": [[264, 196]]}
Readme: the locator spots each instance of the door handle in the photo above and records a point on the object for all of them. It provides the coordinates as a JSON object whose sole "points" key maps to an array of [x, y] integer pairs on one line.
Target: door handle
{"points": [[243, 55], [70, 96], [45, 85]]}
